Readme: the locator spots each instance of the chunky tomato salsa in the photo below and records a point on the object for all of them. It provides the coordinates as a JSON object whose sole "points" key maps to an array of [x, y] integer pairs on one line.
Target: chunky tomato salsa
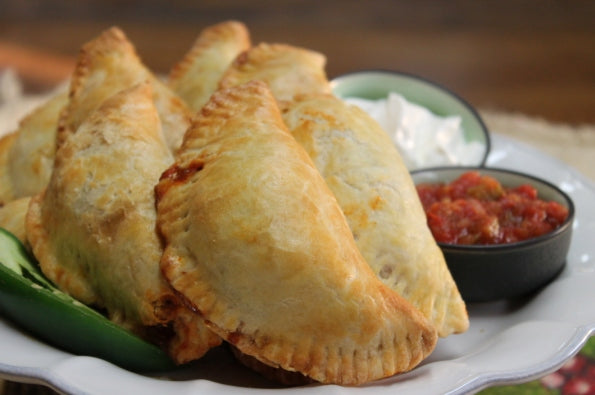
{"points": [[477, 209]]}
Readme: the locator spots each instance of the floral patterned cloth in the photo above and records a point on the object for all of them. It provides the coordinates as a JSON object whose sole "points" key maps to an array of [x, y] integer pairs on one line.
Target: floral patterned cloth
{"points": [[575, 377]]}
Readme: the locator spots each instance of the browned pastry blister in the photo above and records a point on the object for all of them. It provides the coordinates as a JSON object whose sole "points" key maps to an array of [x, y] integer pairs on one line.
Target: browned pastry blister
{"points": [[93, 228], [108, 64], [197, 75], [257, 243]]}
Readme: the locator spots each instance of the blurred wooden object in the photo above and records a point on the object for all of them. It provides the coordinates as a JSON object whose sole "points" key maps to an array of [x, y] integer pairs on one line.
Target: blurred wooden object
{"points": [[533, 57], [38, 68]]}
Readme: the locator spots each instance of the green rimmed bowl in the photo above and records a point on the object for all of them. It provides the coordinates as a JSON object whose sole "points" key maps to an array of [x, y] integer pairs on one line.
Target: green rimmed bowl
{"points": [[377, 84]]}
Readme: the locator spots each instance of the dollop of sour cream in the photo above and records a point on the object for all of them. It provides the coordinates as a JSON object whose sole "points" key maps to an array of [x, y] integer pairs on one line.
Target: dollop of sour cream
{"points": [[423, 138]]}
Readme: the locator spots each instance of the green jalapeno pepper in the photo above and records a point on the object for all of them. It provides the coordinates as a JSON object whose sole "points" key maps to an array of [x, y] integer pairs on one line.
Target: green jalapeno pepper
{"points": [[31, 301]]}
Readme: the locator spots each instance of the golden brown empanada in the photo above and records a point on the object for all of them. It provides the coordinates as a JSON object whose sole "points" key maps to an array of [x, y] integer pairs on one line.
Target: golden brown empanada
{"points": [[365, 172], [107, 65], [93, 229], [288, 70], [6, 189], [12, 217], [375, 191], [30, 157], [197, 75], [258, 244]]}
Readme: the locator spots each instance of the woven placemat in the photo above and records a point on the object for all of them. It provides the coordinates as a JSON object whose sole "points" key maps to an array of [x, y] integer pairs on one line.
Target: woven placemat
{"points": [[573, 145]]}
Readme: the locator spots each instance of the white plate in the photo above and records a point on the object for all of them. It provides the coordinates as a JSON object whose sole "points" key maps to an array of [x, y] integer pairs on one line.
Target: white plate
{"points": [[506, 343]]}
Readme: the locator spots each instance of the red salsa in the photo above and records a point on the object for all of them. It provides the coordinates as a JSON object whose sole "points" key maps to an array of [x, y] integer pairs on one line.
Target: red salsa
{"points": [[476, 209]]}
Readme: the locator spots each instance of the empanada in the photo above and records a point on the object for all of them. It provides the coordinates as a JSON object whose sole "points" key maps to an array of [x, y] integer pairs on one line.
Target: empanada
{"points": [[255, 240], [6, 189], [365, 172], [375, 191], [93, 229], [288, 70], [197, 75], [107, 65], [12, 217], [30, 154]]}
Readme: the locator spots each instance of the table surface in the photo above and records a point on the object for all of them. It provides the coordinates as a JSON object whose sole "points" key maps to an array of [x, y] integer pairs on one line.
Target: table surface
{"points": [[529, 66]]}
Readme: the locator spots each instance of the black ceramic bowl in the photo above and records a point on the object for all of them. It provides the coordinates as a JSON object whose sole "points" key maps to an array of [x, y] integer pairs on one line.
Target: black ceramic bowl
{"points": [[505, 271]]}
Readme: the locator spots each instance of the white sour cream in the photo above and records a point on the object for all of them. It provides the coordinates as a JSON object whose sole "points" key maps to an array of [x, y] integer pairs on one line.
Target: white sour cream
{"points": [[423, 138]]}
